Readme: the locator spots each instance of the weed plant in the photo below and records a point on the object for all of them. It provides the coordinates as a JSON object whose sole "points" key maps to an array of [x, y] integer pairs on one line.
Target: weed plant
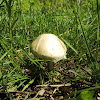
{"points": [[75, 22]]}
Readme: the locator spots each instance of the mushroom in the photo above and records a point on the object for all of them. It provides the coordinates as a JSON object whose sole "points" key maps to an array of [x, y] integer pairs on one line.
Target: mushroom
{"points": [[49, 47]]}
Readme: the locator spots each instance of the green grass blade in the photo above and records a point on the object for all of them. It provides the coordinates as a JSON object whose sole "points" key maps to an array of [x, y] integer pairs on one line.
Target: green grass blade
{"points": [[86, 43], [0, 74], [70, 45], [21, 59], [98, 27], [28, 56], [4, 55], [81, 76], [26, 86], [26, 97]]}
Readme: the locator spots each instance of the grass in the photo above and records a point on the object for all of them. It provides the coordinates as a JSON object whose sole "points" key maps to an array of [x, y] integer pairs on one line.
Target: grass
{"points": [[75, 23]]}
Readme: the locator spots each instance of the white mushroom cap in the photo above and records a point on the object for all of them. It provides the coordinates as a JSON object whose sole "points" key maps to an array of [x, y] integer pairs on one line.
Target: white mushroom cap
{"points": [[49, 47]]}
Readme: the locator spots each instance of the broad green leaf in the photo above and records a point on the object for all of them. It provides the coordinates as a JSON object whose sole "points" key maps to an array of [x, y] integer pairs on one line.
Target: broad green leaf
{"points": [[86, 95]]}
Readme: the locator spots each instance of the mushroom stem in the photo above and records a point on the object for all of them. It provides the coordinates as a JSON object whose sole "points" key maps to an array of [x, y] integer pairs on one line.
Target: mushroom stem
{"points": [[50, 65]]}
